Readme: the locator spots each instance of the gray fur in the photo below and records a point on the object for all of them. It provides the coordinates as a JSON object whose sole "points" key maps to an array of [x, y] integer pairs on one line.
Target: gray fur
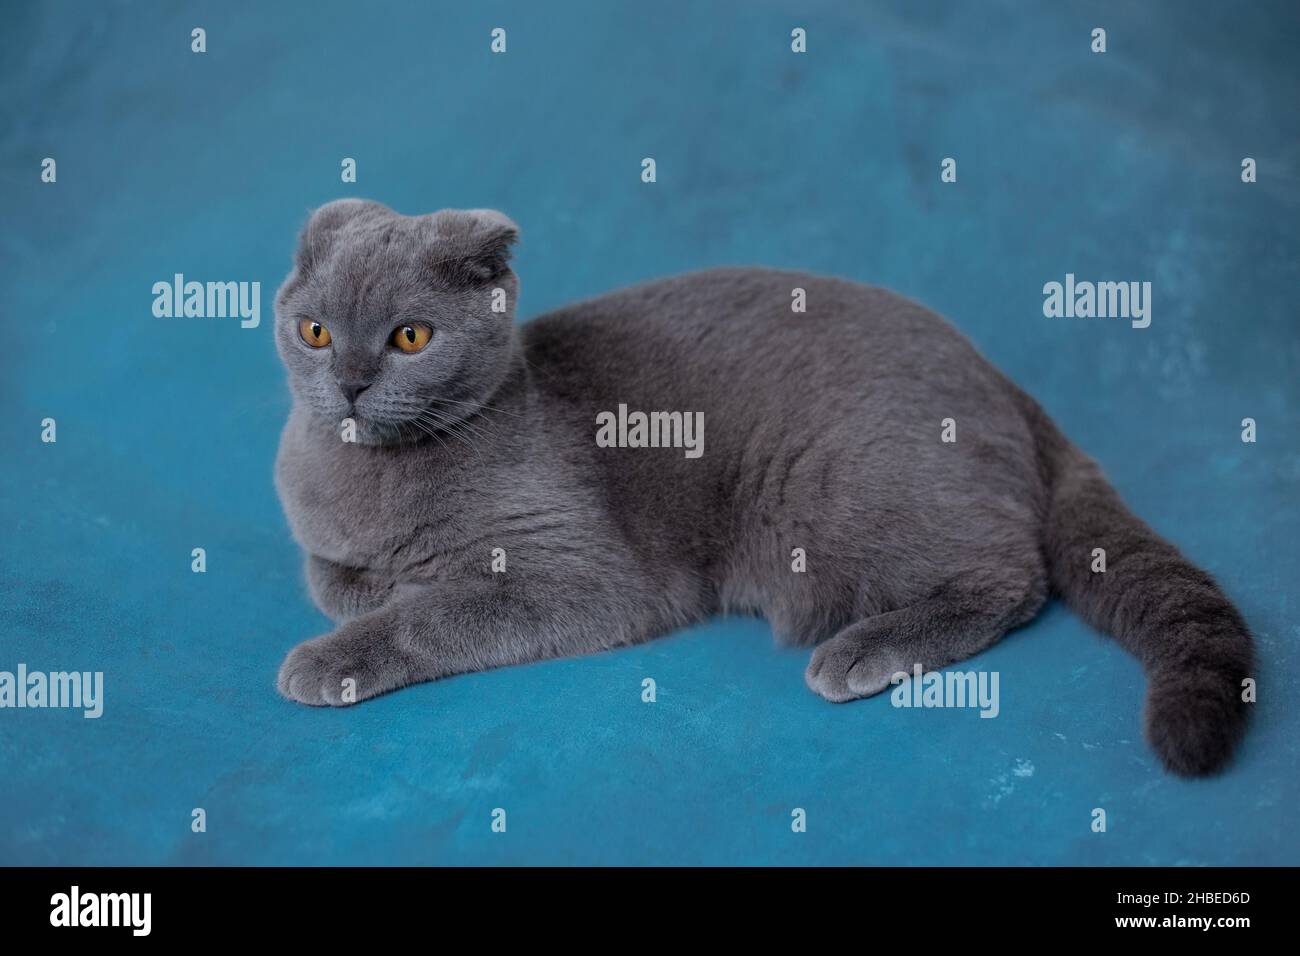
{"points": [[823, 433]]}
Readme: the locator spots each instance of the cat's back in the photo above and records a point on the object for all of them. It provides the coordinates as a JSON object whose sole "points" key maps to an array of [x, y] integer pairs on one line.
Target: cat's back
{"points": [[743, 328], [689, 309]]}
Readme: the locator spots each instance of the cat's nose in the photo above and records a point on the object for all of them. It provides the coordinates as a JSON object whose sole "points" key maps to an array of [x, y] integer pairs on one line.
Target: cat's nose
{"points": [[351, 390]]}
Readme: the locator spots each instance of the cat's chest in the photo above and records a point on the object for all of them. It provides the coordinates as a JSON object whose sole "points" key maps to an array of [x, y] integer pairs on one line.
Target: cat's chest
{"points": [[357, 505]]}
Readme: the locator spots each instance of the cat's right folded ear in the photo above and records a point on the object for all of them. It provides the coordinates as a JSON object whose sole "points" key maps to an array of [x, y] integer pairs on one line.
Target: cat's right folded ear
{"points": [[322, 227], [472, 245]]}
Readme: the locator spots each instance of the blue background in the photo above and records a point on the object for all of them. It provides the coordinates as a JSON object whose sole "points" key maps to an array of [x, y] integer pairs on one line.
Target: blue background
{"points": [[1117, 166]]}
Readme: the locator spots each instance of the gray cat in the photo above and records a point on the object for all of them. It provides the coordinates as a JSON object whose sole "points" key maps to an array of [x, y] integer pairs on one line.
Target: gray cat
{"points": [[476, 521]]}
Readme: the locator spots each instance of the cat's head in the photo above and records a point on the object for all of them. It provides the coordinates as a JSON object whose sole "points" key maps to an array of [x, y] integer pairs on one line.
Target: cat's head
{"points": [[389, 320]]}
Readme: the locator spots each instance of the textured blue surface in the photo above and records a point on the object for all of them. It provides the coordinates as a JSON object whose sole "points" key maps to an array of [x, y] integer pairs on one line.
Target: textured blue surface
{"points": [[1116, 166]]}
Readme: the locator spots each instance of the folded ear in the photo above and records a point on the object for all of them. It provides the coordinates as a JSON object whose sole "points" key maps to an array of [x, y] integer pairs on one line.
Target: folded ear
{"points": [[318, 235], [472, 245]]}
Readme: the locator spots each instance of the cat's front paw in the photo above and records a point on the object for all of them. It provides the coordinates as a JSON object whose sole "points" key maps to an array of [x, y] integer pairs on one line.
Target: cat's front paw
{"points": [[846, 667], [341, 668]]}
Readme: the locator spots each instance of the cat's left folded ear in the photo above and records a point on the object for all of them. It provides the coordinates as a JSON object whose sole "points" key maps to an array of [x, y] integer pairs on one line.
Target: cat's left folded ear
{"points": [[325, 225], [472, 244]]}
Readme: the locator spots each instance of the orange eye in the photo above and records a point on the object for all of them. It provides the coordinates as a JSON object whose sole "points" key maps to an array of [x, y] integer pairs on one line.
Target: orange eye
{"points": [[314, 334], [412, 338]]}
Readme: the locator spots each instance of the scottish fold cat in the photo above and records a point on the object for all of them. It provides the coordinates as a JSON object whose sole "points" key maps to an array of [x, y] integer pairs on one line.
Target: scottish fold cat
{"points": [[441, 470]]}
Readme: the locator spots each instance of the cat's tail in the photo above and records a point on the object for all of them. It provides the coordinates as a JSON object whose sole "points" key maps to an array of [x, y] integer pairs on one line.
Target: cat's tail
{"points": [[1193, 644]]}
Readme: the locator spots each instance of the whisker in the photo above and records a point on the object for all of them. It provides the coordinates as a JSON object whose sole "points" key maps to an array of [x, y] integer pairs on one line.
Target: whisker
{"points": [[448, 422], [446, 426], [431, 434], [478, 405]]}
